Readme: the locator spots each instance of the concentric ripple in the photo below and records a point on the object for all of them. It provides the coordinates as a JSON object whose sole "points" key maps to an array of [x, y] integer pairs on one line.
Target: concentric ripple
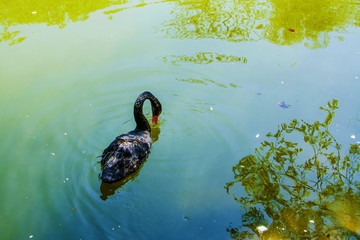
{"points": [[69, 129]]}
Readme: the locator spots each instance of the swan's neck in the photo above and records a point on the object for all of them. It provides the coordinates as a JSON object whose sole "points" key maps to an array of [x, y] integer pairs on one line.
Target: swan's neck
{"points": [[142, 123]]}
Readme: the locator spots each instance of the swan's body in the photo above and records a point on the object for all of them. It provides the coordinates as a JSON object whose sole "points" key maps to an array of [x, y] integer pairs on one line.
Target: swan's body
{"points": [[128, 151]]}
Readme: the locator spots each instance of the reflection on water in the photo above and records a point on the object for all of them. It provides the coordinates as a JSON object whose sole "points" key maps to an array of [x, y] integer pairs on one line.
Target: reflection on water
{"points": [[134, 5], [226, 20], [311, 20], [292, 195], [238, 21], [11, 37], [109, 189], [201, 58], [59, 13], [205, 81], [50, 12], [235, 21]]}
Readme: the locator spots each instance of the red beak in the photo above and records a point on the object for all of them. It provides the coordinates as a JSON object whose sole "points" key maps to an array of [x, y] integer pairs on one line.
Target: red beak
{"points": [[154, 119]]}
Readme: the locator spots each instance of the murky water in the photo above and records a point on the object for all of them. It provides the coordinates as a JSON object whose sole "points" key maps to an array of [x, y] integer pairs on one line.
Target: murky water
{"points": [[226, 73]]}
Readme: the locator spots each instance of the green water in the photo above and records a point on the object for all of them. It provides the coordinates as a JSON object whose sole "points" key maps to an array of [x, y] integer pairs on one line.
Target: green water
{"points": [[70, 72]]}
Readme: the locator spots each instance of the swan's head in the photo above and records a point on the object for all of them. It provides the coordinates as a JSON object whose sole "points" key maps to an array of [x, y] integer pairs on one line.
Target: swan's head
{"points": [[154, 119], [156, 110]]}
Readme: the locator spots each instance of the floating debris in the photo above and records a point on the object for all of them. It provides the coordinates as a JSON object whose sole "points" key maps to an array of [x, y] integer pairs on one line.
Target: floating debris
{"points": [[292, 30], [257, 135], [74, 209], [283, 104], [211, 108], [31, 236], [262, 229], [352, 136], [52, 154]]}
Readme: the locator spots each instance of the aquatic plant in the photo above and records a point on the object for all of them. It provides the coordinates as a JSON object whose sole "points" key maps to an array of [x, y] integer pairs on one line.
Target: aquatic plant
{"points": [[298, 185]]}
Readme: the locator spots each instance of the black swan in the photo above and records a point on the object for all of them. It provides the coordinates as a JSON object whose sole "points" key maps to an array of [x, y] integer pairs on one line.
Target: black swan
{"points": [[128, 151]]}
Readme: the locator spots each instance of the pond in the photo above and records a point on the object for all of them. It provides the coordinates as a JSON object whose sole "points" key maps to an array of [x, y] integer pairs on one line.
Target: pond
{"points": [[226, 72]]}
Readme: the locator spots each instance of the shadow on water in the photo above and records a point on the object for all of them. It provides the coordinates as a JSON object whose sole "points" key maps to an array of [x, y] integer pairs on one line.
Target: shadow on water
{"points": [[109, 189], [288, 193]]}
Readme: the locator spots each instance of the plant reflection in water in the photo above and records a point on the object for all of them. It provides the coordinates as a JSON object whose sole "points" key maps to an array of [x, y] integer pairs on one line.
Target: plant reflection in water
{"points": [[311, 22], [278, 21], [289, 193]]}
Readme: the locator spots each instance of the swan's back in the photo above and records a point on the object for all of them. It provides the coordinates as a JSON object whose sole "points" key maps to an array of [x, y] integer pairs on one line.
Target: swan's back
{"points": [[125, 155]]}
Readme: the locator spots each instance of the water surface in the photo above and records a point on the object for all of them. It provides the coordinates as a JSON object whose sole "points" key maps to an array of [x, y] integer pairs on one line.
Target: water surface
{"points": [[224, 72]]}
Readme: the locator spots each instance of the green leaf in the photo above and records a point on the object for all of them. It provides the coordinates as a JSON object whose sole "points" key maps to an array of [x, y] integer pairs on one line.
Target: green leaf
{"points": [[335, 104], [328, 119]]}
